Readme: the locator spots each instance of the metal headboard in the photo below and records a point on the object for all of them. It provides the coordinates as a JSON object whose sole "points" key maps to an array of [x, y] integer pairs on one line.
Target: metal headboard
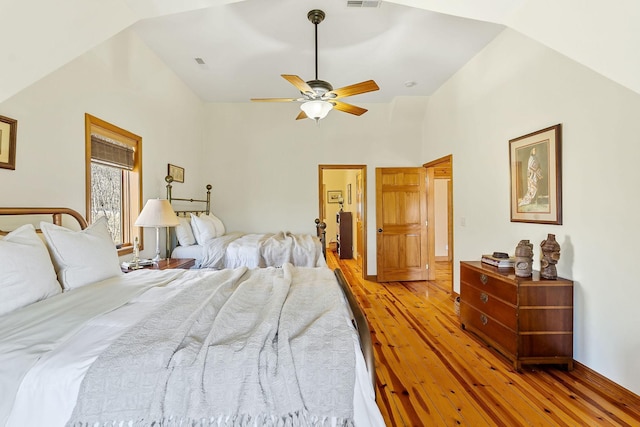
{"points": [[207, 201], [172, 241]]}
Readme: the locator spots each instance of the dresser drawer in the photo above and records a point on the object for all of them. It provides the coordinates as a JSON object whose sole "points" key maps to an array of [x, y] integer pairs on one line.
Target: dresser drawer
{"points": [[546, 319], [499, 288], [557, 294], [504, 338], [485, 302], [547, 345]]}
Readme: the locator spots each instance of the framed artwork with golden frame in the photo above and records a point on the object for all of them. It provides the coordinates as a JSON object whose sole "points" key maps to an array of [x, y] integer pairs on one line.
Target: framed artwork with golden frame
{"points": [[536, 184], [333, 196], [176, 172], [8, 131]]}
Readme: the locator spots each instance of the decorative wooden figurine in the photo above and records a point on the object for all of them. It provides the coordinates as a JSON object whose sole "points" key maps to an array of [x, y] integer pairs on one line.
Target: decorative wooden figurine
{"points": [[550, 257], [524, 259]]}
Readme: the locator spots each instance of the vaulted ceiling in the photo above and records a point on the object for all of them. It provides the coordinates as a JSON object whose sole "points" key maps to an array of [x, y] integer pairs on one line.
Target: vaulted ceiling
{"points": [[410, 47]]}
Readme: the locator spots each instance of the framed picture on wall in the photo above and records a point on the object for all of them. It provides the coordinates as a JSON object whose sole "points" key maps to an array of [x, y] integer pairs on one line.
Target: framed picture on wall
{"points": [[535, 168], [349, 194], [176, 172], [334, 196], [8, 131]]}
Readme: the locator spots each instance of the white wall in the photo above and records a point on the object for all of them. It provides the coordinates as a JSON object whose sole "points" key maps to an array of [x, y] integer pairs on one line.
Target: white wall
{"points": [[517, 86], [263, 164], [599, 34], [122, 82]]}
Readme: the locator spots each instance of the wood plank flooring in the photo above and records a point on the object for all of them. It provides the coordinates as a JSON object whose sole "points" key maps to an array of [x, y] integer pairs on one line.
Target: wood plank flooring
{"points": [[432, 373]]}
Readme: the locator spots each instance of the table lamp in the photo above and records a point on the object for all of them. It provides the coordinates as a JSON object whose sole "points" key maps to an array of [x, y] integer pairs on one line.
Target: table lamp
{"points": [[157, 213]]}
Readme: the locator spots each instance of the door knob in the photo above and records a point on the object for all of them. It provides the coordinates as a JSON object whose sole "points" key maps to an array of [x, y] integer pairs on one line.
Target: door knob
{"points": [[379, 230]]}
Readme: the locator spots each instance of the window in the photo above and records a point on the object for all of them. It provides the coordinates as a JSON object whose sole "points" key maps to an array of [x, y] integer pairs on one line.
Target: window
{"points": [[113, 179]]}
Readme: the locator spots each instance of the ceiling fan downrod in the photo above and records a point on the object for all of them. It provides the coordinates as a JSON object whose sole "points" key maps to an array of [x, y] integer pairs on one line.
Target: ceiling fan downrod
{"points": [[316, 16]]}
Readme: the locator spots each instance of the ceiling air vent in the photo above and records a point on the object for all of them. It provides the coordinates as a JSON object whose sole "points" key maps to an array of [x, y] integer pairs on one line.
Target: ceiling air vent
{"points": [[363, 3]]}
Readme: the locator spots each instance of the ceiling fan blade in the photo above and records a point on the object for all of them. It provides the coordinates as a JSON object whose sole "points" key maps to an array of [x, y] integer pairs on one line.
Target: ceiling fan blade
{"points": [[356, 89], [274, 99], [299, 83], [302, 115], [348, 108]]}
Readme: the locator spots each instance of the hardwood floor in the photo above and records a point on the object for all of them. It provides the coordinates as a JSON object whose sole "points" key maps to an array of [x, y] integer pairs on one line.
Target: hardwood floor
{"points": [[432, 373]]}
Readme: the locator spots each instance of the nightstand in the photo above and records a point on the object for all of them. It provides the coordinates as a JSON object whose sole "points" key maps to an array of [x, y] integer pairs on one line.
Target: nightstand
{"points": [[183, 263], [171, 263]]}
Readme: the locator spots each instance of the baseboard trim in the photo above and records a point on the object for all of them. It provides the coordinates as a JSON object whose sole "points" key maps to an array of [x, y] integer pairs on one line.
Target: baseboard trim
{"points": [[596, 378]]}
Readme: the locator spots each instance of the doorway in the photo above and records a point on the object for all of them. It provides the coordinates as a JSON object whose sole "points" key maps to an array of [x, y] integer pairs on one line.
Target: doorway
{"points": [[344, 187], [440, 219]]}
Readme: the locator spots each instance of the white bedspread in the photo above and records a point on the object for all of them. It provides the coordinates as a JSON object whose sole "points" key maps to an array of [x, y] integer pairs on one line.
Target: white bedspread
{"points": [[253, 250], [45, 352]]}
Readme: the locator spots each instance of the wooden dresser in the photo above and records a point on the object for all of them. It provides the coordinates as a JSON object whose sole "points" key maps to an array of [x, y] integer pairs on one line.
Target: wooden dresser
{"points": [[529, 320], [344, 236]]}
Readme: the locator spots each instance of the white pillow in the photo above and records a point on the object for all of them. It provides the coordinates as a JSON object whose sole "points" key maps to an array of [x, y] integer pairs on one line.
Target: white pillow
{"points": [[27, 272], [220, 230], [82, 257], [184, 234], [204, 228]]}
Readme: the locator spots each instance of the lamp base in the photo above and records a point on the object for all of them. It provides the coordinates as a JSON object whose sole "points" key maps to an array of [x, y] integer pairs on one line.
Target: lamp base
{"points": [[157, 258]]}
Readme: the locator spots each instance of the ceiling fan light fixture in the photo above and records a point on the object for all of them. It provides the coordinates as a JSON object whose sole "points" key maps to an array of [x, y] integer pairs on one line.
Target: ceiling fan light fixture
{"points": [[317, 109]]}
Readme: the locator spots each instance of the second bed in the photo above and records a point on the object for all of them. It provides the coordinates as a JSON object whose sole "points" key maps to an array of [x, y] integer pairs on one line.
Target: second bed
{"points": [[202, 236]]}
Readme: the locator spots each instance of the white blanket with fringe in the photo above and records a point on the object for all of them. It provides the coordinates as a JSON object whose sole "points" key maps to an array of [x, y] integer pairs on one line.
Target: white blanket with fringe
{"points": [[259, 347], [253, 250]]}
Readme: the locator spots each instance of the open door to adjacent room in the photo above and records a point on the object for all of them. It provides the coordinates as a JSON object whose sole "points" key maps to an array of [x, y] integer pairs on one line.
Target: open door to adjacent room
{"points": [[440, 218], [342, 188], [401, 224]]}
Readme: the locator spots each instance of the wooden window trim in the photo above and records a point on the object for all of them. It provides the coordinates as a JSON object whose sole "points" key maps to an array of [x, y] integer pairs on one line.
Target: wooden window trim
{"points": [[132, 197]]}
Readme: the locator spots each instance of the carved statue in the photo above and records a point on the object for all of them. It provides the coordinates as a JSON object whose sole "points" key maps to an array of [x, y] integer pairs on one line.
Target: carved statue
{"points": [[550, 257], [524, 259]]}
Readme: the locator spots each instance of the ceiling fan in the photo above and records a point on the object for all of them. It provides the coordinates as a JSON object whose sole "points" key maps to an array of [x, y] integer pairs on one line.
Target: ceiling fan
{"points": [[318, 96]]}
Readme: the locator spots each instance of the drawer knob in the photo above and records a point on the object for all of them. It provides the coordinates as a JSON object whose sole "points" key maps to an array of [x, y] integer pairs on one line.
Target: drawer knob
{"points": [[484, 279], [484, 297], [484, 319]]}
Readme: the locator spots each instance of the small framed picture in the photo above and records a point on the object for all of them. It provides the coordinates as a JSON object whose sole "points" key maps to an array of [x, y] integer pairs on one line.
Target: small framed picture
{"points": [[535, 166], [8, 131], [176, 172], [334, 196]]}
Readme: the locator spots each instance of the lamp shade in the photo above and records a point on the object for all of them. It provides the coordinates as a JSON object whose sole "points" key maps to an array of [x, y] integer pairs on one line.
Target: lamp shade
{"points": [[316, 110], [157, 213]]}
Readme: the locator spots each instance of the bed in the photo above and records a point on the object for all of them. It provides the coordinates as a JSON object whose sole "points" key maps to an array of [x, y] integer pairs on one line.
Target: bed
{"points": [[237, 346], [202, 236]]}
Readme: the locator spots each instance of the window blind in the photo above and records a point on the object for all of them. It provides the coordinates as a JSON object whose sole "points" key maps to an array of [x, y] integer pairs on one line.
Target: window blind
{"points": [[112, 153]]}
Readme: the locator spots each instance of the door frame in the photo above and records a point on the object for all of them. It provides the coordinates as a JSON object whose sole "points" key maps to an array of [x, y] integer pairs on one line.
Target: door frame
{"points": [[436, 169], [363, 171]]}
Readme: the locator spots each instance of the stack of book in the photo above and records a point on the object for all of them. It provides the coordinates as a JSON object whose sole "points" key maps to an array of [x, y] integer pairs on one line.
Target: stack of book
{"points": [[498, 262], [141, 263]]}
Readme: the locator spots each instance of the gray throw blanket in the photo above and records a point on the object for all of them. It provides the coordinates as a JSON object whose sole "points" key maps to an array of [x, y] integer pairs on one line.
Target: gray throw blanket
{"points": [[240, 347]]}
